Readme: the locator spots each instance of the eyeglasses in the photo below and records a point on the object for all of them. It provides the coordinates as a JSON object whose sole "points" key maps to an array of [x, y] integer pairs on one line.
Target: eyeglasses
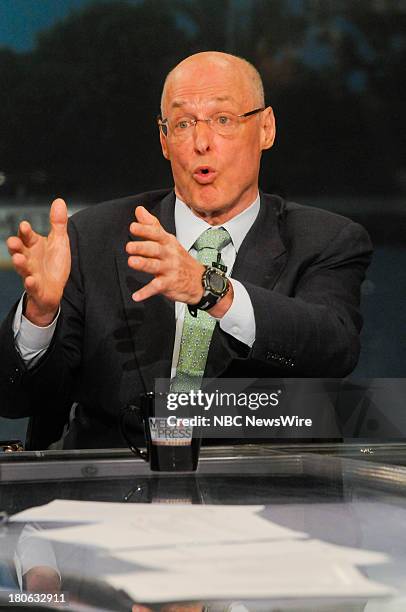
{"points": [[225, 124]]}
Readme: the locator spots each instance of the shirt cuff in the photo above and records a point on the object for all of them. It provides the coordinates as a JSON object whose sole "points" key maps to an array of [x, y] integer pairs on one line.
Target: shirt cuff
{"points": [[29, 336], [239, 320]]}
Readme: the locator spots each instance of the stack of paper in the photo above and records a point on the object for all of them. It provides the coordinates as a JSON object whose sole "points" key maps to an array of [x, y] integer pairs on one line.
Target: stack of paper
{"points": [[197, 552]]}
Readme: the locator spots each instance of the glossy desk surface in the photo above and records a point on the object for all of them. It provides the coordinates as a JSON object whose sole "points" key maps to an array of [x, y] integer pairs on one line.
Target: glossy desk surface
{"points": [[348, 494]]}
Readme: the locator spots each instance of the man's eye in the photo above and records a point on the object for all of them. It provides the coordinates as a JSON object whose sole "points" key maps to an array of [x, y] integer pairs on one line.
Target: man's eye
{"points": [[183, 124], [223, 120]]}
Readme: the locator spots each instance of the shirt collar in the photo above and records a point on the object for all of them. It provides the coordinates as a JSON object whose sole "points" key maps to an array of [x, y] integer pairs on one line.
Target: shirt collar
{"points": [[189, 227]]}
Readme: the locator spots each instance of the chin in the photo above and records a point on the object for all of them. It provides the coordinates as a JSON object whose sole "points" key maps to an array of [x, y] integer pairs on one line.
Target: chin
{"points": [[208, 210], [207, 201]]}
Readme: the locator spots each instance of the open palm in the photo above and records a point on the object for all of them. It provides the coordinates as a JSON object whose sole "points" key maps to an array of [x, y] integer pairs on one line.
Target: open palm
{"points": [[43, 262]]}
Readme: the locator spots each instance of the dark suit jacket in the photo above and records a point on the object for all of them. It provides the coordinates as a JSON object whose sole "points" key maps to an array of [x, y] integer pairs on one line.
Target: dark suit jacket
{"points": [[301, 266]]}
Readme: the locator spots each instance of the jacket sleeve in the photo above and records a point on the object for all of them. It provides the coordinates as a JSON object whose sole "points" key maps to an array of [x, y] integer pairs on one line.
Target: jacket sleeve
{"points": [[47, 386], [315, 331]]}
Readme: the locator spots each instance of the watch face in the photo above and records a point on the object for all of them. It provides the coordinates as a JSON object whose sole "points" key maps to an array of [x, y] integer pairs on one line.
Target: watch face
{"points": [[216, 282]]}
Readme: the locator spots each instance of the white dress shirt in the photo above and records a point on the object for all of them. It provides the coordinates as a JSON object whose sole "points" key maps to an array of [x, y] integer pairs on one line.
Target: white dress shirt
{"points": [[239, 321]]}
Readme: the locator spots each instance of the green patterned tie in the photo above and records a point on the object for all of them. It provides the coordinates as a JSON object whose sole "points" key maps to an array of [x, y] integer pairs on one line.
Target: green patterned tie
{"points": [[197, 331]]}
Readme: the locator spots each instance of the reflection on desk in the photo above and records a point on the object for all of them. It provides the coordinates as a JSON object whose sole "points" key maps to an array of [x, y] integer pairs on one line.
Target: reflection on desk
{"points": [[335, 500]]}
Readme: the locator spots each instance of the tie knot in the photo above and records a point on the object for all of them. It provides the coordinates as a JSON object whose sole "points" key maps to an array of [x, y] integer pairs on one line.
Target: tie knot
{"points": [[213, 239]]}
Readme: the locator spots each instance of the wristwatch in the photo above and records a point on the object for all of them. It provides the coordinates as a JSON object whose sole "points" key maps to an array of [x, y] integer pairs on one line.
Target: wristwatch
{"points": [[215, 284]]}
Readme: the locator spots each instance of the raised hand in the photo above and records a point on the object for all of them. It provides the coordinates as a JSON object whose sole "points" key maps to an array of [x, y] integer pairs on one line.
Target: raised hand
{"points": [[177, 274], [44, 264]]}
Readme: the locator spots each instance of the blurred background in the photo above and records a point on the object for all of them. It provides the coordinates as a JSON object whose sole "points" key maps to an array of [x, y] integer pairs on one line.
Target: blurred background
{"points": [[80, 84]]}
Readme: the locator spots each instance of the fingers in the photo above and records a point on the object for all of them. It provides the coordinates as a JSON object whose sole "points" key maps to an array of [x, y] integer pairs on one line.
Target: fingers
{"points": [[144, 248], [20, 264], [147, 226], [27, 237], [153, 288], [145, 264], [26, 234], [14, 245], [30, 284], [144, 216], [148, 232], [159, 253], [22, 268], [18, 249], [58, 216]]}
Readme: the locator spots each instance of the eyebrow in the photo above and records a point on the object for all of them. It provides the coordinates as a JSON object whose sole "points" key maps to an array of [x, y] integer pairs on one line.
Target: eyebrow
{"points": [[180, 103]]}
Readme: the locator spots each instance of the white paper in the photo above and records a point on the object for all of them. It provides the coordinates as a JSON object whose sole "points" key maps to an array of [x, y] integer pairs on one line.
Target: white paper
{"points": [[280, 569], [183, 556], [158, 525], [200, 552], [266, 580], [73, 511]]}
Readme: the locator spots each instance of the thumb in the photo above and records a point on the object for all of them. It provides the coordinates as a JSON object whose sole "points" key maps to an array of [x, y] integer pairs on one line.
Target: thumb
{"points": [[144, 216], [58, 216]]}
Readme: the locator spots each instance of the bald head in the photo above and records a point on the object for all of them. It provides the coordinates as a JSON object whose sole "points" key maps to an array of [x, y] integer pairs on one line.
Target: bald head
{"points": [[195, 66]]}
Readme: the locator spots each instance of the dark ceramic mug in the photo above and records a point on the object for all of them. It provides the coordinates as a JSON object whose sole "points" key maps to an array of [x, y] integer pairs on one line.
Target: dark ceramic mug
{"points": [[169, 447]]}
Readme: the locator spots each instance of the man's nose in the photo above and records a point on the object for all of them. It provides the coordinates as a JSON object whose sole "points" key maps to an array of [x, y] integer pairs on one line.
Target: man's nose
{"points": [[202, 135]]}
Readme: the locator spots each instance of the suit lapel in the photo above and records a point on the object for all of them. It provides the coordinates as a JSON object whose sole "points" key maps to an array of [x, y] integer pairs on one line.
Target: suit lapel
{"points": [[262, 255], [260, 261], [151, 324]]}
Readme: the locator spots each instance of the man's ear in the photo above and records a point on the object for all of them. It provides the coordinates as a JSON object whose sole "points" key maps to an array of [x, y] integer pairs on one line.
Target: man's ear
{"points": [[268, 128], [164, 145]]}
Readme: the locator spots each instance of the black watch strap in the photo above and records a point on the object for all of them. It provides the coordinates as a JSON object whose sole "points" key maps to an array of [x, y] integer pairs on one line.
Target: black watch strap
{"points": [[207, 302]]}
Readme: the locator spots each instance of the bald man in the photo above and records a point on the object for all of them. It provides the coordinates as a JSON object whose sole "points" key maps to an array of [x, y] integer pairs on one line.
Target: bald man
{"points": [[211, 278]]}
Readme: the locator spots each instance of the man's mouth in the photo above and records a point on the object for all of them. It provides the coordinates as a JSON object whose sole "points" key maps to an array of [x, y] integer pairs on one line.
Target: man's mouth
{"points": [[204, 174]]}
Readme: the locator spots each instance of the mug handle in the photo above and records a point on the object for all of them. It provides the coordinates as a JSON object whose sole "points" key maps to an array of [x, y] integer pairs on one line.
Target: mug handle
{"points": [[136, 410]]}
